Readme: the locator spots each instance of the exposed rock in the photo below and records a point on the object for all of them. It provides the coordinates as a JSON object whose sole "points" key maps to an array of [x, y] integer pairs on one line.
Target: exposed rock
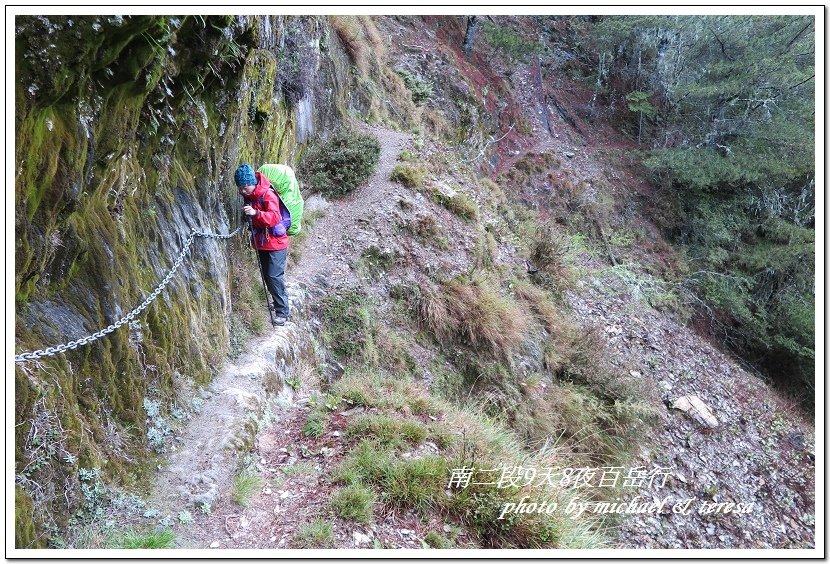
{"points": [[360, 538], [698, 410]]}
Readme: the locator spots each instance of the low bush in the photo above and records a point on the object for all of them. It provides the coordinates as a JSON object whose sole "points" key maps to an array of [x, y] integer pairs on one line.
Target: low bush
{"points": [[421, 89], [341, 164]]}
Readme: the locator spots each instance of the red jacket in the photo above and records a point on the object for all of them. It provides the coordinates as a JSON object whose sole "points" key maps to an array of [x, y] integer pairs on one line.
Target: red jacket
{"points": [[267, 203]]}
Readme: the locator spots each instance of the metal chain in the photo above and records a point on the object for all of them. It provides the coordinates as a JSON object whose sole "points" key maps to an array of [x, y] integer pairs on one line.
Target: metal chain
{"points": [[72, 345]]}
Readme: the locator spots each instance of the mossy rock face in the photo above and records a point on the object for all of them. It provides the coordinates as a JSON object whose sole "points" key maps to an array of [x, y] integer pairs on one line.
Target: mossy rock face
{"points": [[128, 130], [25, 534]]}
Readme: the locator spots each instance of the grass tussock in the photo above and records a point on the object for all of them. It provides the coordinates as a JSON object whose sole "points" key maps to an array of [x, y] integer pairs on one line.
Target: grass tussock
{"points": [[376, 389], [409, 176], [436, 540], [460, 204], [542, 306], [246, 484], [315, 423], [315, 534], [164, 538], [472, 311], [389, 458], [355, 502], [349, 329], [428, 230], [549, 258], [387, 429], [422, 484], [436, 123]]}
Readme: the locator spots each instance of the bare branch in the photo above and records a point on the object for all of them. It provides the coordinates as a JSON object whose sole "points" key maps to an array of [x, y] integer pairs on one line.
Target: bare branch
{"points": [[722, 46], [794, 39], [492, 142], [802, 82]]}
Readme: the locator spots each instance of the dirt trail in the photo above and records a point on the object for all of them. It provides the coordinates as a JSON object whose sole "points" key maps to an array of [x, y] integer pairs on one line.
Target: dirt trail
{"points": [[332, 242], [252, 394]]}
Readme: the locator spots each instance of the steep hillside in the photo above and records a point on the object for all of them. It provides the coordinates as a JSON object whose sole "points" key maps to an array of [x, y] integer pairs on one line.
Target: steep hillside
{"points": [[497, 297]]}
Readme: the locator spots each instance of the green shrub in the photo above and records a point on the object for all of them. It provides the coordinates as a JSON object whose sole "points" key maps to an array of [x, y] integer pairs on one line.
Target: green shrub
{"points": [[409, 176], [510, 42], [341, 164], [421, 89]]}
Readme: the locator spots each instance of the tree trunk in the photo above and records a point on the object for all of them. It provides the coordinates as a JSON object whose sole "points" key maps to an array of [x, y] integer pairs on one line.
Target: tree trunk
{"points": [[470, 34], [640, 130]]}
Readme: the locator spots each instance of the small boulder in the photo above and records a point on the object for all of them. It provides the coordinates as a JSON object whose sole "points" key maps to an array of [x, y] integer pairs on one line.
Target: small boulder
{"points": [[698, 410]]}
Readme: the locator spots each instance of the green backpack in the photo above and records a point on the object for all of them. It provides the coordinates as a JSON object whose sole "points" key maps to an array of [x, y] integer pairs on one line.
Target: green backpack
{"points": [[285, 183]]}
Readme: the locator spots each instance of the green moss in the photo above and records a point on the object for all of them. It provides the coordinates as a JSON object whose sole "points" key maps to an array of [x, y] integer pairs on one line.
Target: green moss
{"points": [[25, 535]]}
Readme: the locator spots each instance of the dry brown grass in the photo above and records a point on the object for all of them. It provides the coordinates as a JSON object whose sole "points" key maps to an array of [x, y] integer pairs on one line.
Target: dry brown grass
{"points": [[400, 97], [436, 123], [542, 306], [471, 311], [361, 39], [590, 430], [351, 34], [549, 250], [373, 35]]}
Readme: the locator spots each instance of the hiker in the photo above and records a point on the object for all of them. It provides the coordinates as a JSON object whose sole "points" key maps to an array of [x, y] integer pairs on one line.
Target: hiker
{"points": [[268, 234]]}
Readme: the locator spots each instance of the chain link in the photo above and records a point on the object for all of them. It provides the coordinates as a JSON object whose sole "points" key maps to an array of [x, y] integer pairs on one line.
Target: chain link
{"points": [[72, 345]]}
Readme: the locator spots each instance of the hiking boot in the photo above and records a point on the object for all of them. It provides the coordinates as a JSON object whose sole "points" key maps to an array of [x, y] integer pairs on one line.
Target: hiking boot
{"points": [[280, 320]]}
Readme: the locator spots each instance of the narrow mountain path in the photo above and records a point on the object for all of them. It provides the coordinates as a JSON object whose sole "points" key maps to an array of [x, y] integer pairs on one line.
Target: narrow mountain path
{"points": [[335, 237], [259, 402]]}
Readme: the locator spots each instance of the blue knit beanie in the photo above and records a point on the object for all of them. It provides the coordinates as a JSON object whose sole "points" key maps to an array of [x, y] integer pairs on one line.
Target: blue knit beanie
{"points": [[245, 176]]}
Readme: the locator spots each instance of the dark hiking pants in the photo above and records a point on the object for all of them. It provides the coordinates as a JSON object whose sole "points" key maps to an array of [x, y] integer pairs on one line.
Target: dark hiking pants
{"points": [[273, 270]]}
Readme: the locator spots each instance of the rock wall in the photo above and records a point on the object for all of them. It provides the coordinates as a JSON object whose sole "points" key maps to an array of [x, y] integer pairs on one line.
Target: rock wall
{"points": [[128, 131]]}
